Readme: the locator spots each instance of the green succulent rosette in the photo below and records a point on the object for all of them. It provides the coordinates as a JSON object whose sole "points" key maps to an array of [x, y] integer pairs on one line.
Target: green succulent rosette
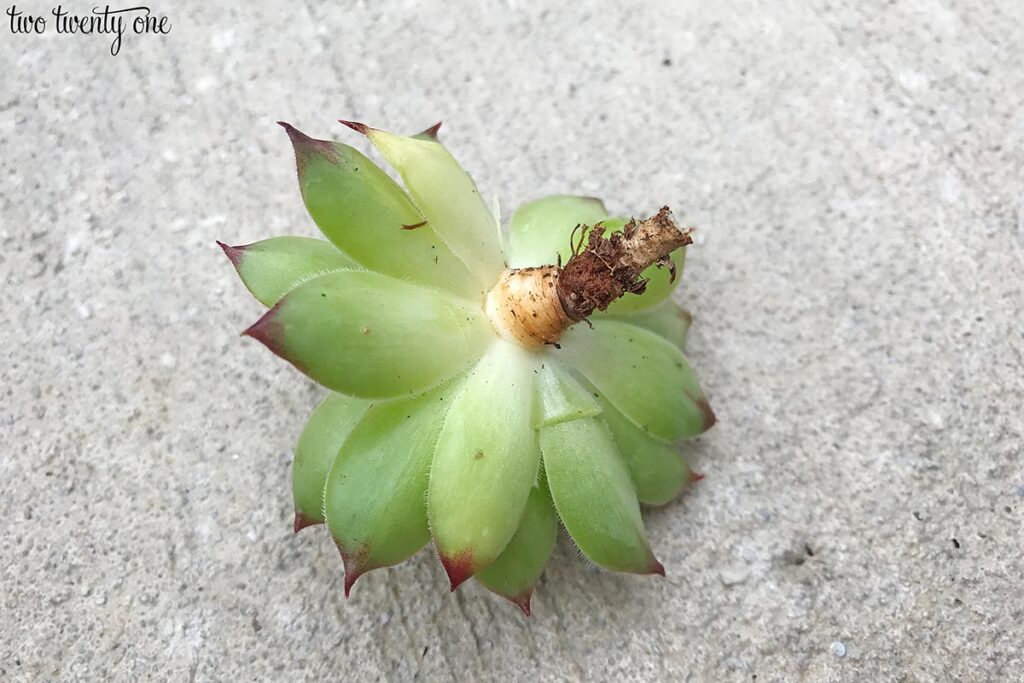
{"points": [[439, 429]]}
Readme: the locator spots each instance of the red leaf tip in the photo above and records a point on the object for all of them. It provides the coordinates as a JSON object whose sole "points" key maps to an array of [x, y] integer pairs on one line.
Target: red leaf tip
{"points": [[709, 415], [234, 254], [271, 332], [350, 580], [297, 136], [458, 567], [355, 566], [267, 331], [356, 126], [305, 147], [522, 601], [302, 521], [656, 568], [695, 477], [430, 132]]}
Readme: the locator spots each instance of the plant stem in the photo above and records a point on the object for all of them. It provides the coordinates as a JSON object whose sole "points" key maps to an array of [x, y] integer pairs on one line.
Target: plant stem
{"points": [[534, 306], [609, 267]]}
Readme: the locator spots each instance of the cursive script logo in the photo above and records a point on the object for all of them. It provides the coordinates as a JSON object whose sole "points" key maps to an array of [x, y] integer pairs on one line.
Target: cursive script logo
{"points": [[102, 21]]}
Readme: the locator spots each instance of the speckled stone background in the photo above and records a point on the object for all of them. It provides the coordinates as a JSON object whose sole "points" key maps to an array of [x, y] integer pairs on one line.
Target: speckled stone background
{"points": [[855, 170]]}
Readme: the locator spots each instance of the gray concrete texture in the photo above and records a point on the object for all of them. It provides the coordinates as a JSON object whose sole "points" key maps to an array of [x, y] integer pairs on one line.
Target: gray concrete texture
{"points": [[855, 172]]}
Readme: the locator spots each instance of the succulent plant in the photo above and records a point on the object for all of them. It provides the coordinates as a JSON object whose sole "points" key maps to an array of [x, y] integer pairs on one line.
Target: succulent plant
{"points": [[466, 406]]}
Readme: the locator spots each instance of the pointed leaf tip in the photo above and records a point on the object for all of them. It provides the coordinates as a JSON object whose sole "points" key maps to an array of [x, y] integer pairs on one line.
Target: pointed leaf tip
{"points": [[458, 567], [656, 568], [522, 601], [234, 254], [294, 134], [302, 521], [430, 133], [268, 331], [709, 415], [695, 477], [306, 147], [350, 579], [356, 126], [259, 330], [300, 139], [354, 567]]}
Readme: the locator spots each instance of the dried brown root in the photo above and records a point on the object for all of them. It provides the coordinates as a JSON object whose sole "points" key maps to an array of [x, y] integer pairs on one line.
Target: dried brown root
{"points": [[609, 267], [534, 306]]}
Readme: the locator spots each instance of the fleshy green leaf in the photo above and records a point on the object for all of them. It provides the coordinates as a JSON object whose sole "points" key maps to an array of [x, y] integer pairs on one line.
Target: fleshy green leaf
{"points": [[375, 490], [666, 319], [447, 197], [517, 569], [327, 428], [562, 397], [539, 231], [657, 469], [486, 462], [646, 377], [273, 267], [660, 284], [594, 496], [368, 216], [370, 335]]}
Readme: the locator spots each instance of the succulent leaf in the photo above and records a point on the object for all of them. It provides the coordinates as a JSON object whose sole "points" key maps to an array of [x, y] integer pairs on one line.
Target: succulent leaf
{"points": [[486, 462], [327, 428], [562, 397], [657, 469], [374, 497], [513, 574], [360, 209], [666, 319], [643, 375], [539, 231], [594, 496], [446, 196], [373, 336], [271, 268]]}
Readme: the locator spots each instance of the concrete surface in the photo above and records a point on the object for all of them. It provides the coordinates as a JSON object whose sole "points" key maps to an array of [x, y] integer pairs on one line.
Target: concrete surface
{"points": [[855, 170]]}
